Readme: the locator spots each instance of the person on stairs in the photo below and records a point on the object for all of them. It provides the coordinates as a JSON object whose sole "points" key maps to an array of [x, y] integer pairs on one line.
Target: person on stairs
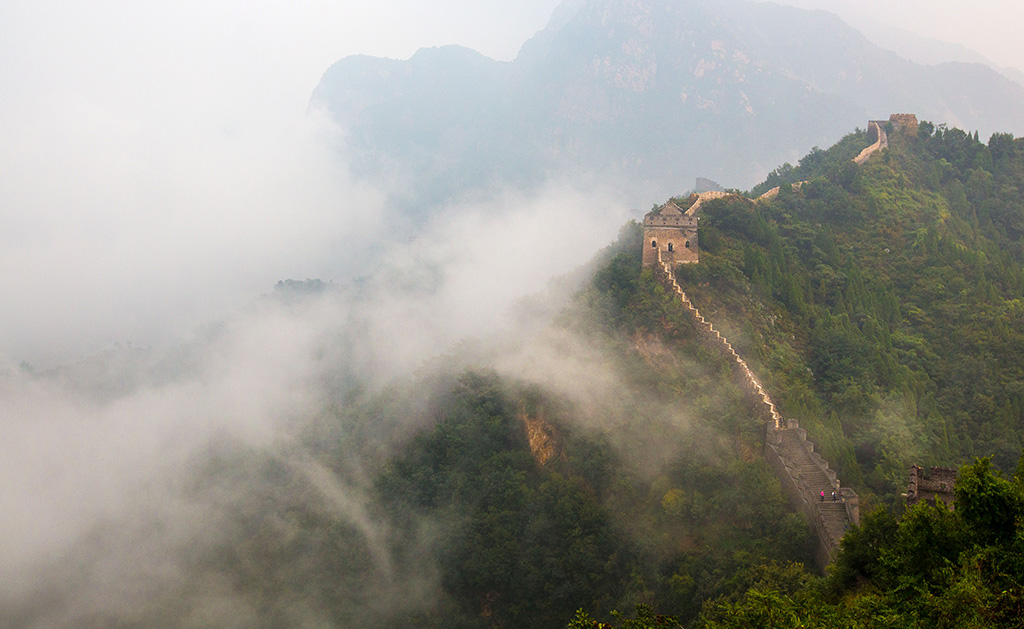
{"points": [[823, 495]]}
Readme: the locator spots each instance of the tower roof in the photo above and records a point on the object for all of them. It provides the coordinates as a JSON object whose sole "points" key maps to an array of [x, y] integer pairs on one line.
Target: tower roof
{"points": [[670, 209], [669, 215]]}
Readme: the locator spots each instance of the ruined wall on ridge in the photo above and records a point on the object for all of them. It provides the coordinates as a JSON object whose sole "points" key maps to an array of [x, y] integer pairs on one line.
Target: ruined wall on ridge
{"points": [[802, 472]]}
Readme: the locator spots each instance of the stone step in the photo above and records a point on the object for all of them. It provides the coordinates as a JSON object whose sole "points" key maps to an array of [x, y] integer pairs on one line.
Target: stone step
{"points": [[804, 469], [809, 468], [802, 462], [809, 475], [816, 486], [814, 478]]}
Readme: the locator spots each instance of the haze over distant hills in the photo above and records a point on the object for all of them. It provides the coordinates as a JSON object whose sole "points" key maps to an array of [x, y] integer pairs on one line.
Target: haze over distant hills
{"points": [[643, 96]]}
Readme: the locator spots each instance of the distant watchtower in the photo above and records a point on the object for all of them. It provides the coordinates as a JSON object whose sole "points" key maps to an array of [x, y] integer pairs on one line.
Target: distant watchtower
{"points": [[937, 483], [907, 122], [672, 231]]}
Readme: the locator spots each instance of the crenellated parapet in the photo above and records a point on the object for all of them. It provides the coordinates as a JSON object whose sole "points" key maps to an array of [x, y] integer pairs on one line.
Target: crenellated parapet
{"points": [[808, 481], [932, 485], [706, 196], [876, 131], [670, 234], [878, 136], [774, 192], [906, 122], [810, 484]]}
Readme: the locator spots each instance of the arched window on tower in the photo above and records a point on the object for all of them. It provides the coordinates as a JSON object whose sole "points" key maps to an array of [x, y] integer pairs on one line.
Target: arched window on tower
{"points": [[670, 246], [654, 244], [687, 244]]}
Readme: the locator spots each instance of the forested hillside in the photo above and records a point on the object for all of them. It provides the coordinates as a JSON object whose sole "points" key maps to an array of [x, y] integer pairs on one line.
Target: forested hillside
{"points": [[638, 96], [606, 459], [661, 496], [930, 568], [883, 302], [880, 304], [432, 502]]}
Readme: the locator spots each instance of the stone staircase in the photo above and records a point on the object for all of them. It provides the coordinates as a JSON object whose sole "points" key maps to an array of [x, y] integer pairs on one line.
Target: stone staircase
{"points": [[717, 337], [877, 129], [706, 196], [813, 480], [803, 473]]}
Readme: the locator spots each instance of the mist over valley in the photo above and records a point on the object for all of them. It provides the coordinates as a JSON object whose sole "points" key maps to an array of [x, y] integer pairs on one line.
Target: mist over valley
{"points": [[357, 340]]}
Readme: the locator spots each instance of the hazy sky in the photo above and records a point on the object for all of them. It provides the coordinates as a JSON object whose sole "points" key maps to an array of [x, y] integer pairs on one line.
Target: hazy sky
{"points": [[158, 166], [990, 27]]}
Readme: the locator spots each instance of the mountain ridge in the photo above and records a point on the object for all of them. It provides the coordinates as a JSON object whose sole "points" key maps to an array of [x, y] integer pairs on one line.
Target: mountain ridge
{"points": [[644, 94]]}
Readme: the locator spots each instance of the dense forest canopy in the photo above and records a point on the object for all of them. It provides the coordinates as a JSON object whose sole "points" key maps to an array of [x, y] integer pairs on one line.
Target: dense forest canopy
{"points": [[883, 301], [878, 302], [932, 567], [606, 460], [881, 304]]}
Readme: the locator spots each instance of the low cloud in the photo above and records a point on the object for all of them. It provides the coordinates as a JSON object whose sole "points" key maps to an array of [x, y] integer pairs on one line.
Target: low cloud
{"points": [[160, 174], [102, 454], [156, 410], [140, 239]]}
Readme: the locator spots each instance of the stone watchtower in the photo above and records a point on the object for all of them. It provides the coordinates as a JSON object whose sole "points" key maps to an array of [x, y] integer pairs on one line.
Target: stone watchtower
{"points": [[937, 483], [672, 231]]}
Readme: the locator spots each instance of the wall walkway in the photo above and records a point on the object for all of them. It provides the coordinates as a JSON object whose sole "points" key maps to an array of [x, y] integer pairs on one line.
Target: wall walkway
{"points": [[803, 473], [875, 129], [805, 476], [706, 196]]}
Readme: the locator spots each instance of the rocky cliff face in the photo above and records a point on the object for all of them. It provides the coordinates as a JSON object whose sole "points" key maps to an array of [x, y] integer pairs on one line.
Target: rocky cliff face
{"points": [[542, 437], [645, 94]]}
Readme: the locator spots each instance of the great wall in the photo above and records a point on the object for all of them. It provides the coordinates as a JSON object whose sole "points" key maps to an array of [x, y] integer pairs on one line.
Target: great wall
{"points": [[876, 130], [805, 476]]}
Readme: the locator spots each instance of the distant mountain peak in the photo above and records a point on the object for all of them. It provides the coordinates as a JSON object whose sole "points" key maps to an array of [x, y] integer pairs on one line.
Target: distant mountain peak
{"points": [[563, 13], [642, 95]]}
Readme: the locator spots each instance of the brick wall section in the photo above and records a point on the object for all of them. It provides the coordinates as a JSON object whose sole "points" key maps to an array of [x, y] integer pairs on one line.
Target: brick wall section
{"points": [[774, 192], [671, 234], [803, 473], [907, 122], [937, 482], [807, 480], [876, 130], [706, 196]]}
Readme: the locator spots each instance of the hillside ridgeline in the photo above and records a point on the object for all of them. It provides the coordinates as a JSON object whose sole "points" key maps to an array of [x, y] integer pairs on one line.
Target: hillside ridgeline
{"points": [[638, 95]]}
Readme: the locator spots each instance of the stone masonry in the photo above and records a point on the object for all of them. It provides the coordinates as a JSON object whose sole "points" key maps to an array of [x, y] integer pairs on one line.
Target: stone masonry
{"points": [[670, 231], [907, 122], [670, 234], [929, 486], [805, 476], [876, 131], [809, 483]]}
